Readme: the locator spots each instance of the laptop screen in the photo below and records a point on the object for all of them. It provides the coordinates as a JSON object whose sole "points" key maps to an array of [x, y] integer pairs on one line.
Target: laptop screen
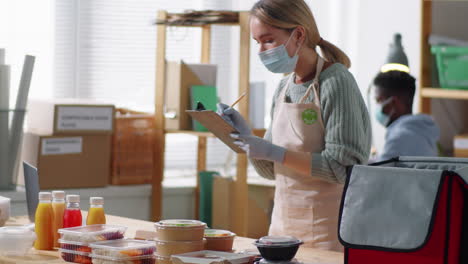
{"points": [[31, 182]]}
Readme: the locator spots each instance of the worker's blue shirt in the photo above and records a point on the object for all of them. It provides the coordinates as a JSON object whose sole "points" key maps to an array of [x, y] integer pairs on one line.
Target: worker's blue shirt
{"points": [[411, 135]]}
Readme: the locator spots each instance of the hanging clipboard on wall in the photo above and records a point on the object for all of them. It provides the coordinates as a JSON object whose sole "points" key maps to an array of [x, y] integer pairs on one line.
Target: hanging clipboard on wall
{"points": [[216, 125]]}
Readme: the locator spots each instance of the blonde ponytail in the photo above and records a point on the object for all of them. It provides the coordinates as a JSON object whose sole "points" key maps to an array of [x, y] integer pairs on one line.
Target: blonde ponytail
{"points": [[333, 54], [287, 15]]}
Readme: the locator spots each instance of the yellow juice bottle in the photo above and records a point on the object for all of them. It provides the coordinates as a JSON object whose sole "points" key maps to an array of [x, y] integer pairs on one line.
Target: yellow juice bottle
{"points": [[58, 208], [43, 223], [96, 213]]}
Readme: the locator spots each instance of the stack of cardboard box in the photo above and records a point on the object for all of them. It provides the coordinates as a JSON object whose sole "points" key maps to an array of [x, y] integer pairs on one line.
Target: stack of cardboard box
{"points": [[69, 141]]}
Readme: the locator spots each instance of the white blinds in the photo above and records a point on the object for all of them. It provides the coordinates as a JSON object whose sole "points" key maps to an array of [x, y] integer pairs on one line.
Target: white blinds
{"points": [[105, 49]]}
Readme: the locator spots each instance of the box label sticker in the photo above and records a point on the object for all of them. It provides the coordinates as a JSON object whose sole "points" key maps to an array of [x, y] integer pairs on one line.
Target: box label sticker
{"points": [[82, 118], [60, 146], [461, 143]]}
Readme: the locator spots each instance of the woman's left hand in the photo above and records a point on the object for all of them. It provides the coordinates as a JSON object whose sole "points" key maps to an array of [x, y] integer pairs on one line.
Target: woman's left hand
{"points": [[234, 118], [259, 148]]}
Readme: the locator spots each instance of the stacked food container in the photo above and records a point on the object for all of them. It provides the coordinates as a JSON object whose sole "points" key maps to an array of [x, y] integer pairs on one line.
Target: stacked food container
{"points": [[219, 240], [75, 242], [177, 237], [123, 251]]}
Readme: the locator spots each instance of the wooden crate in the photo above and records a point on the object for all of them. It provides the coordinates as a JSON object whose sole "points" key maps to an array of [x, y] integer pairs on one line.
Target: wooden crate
{"points": [[132, 148]]}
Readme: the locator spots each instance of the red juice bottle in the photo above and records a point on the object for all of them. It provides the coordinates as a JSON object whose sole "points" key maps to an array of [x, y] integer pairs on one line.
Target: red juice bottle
{"points": [[72, 216]]}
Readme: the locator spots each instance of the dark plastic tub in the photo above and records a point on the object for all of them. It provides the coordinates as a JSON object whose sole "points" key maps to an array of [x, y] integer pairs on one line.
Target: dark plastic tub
{"points": [[278, 251]]}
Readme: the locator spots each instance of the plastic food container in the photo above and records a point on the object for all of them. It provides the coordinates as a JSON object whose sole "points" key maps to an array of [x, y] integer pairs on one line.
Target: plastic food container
{"points": [[16, 240], [219, 240], [149, 259], [180, 230], [74, 246], [169, 248], [123, 248], [92, 233], [278, 248], [208, 256], [163, 260], [75, 256]]}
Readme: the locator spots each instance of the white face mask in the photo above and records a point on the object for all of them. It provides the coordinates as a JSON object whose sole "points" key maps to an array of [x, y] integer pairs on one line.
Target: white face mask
{"points": [[277, 59]]}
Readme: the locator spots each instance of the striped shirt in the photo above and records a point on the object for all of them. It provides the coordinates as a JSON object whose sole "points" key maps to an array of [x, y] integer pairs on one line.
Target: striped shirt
{"points": [[346, 120]]}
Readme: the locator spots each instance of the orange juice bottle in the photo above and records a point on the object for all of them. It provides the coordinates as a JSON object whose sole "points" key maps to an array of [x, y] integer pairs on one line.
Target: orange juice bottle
{"points": [[96, 213], [43, 223], [58, 207]]}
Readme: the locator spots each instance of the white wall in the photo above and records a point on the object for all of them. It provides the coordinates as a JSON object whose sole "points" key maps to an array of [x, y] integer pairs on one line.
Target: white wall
{"points": [[377, 22], [20, 35]]}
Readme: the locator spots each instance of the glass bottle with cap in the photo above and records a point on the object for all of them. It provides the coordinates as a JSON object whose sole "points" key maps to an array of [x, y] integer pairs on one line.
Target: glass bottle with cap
{"points": [[72, 216], [58, 207], [43, 222], [96, 213]]}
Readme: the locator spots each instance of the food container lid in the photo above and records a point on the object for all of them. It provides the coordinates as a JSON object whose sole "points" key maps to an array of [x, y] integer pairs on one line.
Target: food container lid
{"points": [[45, 196], [96, 200], [73, 198], [63, 241], [92, 233], [172, 242], [92, 229], [274, 241], [123, 244], [180, 223], [17, 232], [94, 256], [214, 233], [58, 194], [209, 256], [82, 253]]}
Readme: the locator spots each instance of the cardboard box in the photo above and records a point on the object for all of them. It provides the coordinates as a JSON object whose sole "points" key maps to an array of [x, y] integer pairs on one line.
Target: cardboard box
{"points": [[133, 149], [72, 161], [260, 205], [460, 146], [179, 78], [70, 116]]}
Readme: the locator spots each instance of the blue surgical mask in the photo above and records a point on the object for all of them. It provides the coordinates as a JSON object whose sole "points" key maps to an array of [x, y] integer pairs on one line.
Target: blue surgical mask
{"points": [[381, 117], [277, 59]]}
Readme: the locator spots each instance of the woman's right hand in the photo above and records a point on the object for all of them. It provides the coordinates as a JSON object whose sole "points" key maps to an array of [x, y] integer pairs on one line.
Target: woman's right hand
{"points": [[234, 118]]}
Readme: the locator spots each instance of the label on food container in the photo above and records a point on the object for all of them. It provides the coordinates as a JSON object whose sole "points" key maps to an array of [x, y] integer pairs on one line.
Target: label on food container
{"points": [[83, 118], [60, 146], [218, 233], [181, 223]]}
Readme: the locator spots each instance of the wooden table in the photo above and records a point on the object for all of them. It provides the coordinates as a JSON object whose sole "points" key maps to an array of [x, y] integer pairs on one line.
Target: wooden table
{"points": [[306, 255]]}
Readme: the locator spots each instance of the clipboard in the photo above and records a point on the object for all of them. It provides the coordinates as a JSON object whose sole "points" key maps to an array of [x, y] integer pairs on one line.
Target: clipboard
{"points": [[216, 125]]}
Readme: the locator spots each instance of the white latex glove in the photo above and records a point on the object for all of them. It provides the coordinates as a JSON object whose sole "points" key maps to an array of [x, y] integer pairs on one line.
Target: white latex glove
{"points": [[259, 148], [234, 118]]}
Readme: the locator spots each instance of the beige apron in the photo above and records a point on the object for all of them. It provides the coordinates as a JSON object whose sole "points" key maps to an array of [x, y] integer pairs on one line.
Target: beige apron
{"points": [[305, 206]]}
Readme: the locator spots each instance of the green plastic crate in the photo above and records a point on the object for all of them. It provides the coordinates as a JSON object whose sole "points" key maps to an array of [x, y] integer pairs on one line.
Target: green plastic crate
{"points": [[452, 65]]}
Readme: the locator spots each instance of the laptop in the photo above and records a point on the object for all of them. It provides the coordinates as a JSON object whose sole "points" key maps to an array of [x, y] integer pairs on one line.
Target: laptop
{"points": [[31, 182]]}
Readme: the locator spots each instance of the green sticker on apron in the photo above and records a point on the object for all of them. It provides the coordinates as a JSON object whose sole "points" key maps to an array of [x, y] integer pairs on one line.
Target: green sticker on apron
{"points": [[309, 116]]}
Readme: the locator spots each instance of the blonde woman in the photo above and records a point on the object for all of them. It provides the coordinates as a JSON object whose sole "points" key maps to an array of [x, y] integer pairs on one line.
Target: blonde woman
{"points": [[320, 124]]}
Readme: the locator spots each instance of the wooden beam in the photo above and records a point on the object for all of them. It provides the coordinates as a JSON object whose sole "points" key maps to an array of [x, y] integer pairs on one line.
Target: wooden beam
{"points": [[440, 93], [160, 138], [202, 142], [206, 44], [240, 184], [425, 79], [201, 166]]}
